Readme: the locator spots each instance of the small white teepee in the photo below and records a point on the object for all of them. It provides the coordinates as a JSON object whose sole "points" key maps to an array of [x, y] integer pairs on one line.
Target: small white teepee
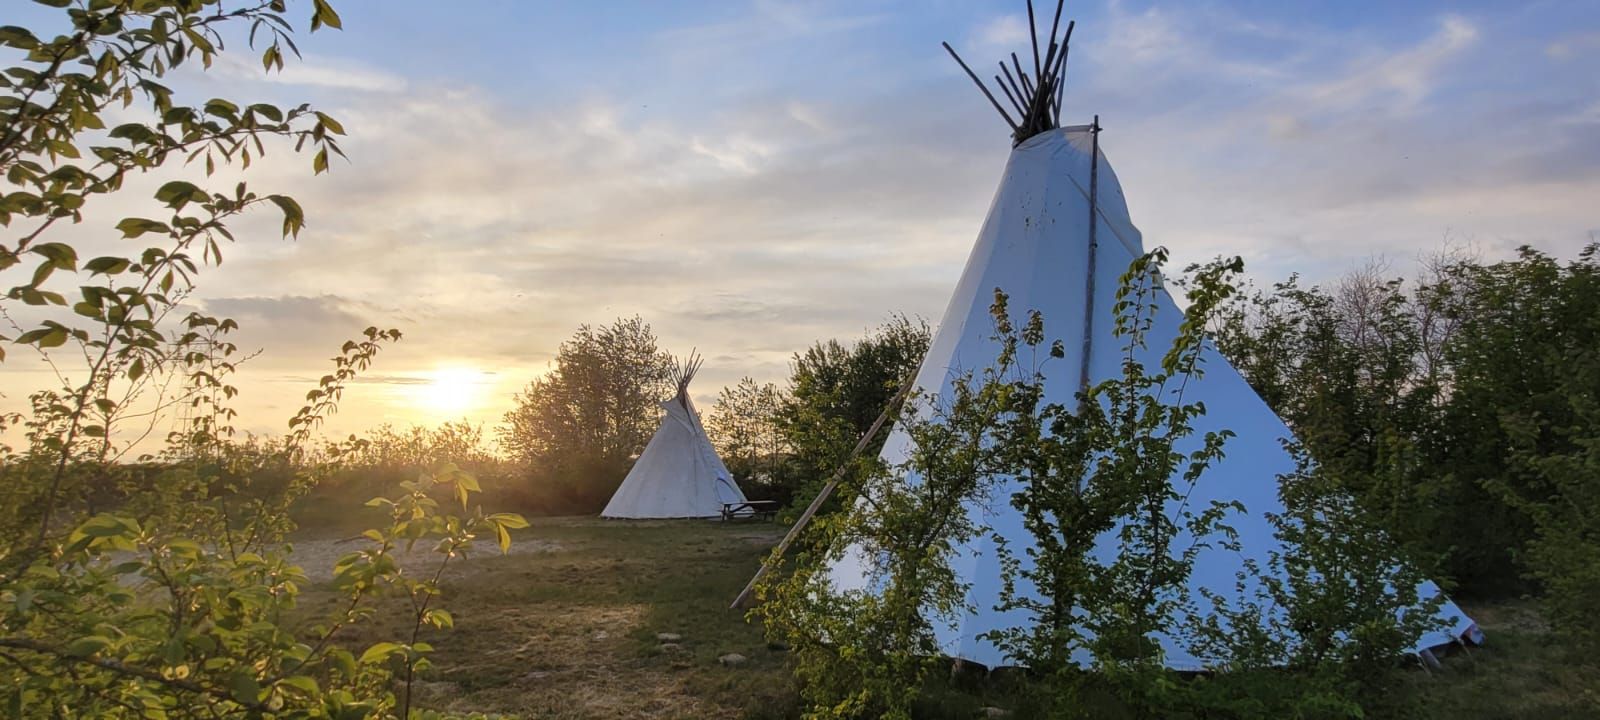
{"points": [[1058, 237], [679, 474]]}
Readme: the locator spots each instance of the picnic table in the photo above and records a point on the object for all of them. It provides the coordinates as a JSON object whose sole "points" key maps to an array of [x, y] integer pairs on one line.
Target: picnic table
{"points": [[760, 509]]}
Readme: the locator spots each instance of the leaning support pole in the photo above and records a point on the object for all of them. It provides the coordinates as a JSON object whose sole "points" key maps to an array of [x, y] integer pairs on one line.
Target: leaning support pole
{"points": [[1089, 271], [827, 491]]}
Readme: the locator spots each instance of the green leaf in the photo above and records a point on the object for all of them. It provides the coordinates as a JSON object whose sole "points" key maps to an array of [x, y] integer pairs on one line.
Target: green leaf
{"points": [[60, 255], [510, 520], [380, 652], [178, 193], [86, 646], [107, 526], [107, 265], [504, 538], [221, 107], [331, 124], [324, 15], [134, 227], [271, 58], [44, 337], [270, 112], [304, 684], [17, 37], [244, 687], [294, 218]]}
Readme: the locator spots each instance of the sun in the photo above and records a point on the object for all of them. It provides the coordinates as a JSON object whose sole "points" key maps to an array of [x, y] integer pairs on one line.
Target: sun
{"points": [[452, 390]]}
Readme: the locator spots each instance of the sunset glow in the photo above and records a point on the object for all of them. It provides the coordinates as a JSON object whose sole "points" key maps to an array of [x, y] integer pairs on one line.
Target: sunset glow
{"points": [[450, 391]]}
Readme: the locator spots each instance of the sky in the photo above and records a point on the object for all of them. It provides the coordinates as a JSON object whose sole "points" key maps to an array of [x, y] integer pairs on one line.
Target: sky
{"points": [[752, 176]]}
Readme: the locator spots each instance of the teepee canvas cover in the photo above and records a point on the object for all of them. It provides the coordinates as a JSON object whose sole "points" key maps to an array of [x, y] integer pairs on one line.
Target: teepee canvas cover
{"points": [[679, 474], [1036, 247]]}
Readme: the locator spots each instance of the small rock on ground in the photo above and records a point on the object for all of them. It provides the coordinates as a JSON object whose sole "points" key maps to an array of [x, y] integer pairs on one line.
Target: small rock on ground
{"points": [[668, 637], [671, 647], [994, 713], [732, 659]]}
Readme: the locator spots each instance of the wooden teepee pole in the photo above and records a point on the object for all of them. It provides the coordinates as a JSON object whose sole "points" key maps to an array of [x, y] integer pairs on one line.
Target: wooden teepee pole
{"points": [[1094, 221], [827, 491]]}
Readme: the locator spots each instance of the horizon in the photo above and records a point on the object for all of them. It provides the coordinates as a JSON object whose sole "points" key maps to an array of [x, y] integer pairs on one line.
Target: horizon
{"points": [[753, 179]]}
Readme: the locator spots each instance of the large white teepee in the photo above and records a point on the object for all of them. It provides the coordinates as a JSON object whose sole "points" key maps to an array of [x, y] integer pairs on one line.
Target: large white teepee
{"points": [[679, 474], [1036, 246]]}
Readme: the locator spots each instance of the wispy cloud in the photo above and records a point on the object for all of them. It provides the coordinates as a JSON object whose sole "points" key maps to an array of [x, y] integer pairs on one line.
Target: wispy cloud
{"points": [[314, 71], [1400, 80], [1007, 32], [1575, 45]]}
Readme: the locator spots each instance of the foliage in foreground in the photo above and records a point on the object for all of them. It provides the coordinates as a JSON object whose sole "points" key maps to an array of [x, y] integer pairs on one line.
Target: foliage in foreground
{"points": [[1094, 484], [161, 587]]}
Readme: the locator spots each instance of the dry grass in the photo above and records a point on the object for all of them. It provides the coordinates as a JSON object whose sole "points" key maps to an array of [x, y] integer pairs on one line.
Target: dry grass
{"points": [[569, 629]]}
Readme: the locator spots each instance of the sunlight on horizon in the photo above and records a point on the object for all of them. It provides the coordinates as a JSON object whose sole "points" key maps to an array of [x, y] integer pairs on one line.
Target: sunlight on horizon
{"points": [[450, 391]]}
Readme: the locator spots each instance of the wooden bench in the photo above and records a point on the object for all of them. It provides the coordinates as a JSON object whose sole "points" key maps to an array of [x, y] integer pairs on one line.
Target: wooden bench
{"points": [[758, 509]]}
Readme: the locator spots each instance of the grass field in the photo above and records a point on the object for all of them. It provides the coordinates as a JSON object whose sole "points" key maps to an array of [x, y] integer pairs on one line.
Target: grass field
{"points": [[567, 628]]}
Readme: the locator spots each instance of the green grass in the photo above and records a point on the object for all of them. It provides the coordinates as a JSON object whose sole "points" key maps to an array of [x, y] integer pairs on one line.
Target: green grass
{"points": [[1522, 671], [569, 631]]}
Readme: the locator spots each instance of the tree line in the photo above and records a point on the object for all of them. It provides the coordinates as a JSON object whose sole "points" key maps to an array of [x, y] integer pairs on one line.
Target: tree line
{"points": [[576, 430], [1467, 401]]}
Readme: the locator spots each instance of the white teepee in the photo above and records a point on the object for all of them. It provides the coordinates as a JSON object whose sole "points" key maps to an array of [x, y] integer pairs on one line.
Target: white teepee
{"points": [[679, 474], [1036, 247]]}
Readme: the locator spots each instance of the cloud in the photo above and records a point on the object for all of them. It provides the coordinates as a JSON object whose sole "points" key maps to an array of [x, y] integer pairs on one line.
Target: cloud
{"points": [[1574, 45], [1401, 80], [296, 329], [316, 71], [1007, 32]]}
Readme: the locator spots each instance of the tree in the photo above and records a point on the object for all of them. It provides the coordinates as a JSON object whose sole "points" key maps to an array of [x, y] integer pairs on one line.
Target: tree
{"points": [[743, 426], [1352, 370], [835, 393], [162, 587], [577, 429], [1521, 424]]}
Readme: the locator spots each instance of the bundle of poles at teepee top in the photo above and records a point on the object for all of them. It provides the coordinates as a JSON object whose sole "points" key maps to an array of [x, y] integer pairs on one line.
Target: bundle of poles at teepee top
{"points": [[1036, 98], [682, 373]]}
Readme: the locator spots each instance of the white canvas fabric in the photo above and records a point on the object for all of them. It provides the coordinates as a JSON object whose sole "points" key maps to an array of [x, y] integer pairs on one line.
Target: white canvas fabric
{"points": [[1034, 246], [678, 475]]}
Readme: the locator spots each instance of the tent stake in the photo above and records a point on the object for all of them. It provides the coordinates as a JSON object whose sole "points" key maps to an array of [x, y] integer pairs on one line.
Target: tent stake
{"points": [[827, 490]]}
